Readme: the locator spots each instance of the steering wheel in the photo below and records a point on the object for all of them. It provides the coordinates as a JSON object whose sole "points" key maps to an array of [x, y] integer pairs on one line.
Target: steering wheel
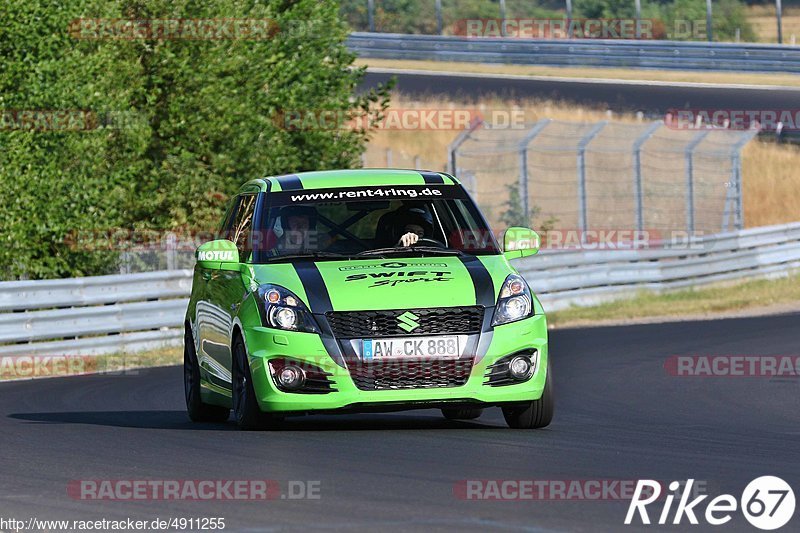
{"points": [[431, 242]]}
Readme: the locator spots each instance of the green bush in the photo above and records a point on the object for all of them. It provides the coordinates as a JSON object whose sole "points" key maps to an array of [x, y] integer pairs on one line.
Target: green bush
{"points": [[203, 120]]}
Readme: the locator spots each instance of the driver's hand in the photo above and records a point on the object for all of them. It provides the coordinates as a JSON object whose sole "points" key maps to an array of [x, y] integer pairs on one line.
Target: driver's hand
{"points": [[408, 239]]}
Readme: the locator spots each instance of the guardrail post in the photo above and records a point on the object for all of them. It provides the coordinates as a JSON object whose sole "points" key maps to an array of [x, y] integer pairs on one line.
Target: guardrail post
{"points": [[688, 155], [388, 158], [778, 17], [523, 163], [439, 23], [638, 190], [709, 22], [371, 14], [582, 144]]}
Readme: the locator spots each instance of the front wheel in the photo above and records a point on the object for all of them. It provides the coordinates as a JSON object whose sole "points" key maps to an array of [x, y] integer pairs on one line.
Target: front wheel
{"points": [[248, 414], [535, 414], [198, 411]]}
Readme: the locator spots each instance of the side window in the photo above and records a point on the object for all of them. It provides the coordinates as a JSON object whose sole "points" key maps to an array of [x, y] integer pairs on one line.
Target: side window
{"points": [[227, 220], [243, 224]]}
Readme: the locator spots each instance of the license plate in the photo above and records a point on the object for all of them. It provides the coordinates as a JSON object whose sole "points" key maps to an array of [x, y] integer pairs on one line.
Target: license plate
{"points": [[444, 346]]}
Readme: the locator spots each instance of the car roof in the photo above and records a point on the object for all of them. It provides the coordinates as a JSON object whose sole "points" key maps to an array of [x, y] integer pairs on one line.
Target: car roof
{"points": [[326, 179]]}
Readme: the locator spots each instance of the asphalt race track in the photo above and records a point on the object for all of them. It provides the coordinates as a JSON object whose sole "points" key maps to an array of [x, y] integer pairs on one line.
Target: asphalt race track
{"points": [[619, 416], [652, 99]]}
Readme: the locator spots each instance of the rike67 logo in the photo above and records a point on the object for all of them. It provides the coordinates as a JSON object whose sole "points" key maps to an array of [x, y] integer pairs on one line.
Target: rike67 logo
{"points": [[767, 503]]}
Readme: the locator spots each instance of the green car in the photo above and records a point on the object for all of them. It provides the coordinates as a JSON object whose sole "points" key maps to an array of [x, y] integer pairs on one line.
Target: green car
{"points": [[363, 290]]}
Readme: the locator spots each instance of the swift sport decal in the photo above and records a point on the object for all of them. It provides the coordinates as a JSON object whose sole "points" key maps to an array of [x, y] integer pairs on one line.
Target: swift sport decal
{"points": [[396, 277]]}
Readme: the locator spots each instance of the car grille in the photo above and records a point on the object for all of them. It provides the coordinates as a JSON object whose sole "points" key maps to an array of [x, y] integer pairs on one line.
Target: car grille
{"points": [[410, 374], [437, 321]]}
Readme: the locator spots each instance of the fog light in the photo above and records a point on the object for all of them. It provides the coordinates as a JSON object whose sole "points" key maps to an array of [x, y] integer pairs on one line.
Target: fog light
{"points": [[291, 377], [520, 367]]}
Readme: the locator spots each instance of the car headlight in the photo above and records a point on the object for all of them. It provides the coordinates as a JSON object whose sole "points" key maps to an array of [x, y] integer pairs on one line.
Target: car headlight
{"points": [[515, 301], [281, 309]]}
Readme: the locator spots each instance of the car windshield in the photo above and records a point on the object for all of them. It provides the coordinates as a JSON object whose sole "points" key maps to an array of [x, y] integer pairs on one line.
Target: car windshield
{"points": [[372, 222]]}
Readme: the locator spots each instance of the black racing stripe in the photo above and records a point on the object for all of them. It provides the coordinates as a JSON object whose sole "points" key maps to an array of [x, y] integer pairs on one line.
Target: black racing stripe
{"points": [[432, 178], [481, 280], [290, 182], [318, 298]]}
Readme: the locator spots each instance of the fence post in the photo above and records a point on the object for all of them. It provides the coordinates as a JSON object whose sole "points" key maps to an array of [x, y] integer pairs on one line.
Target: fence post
{"points": [[582, 144], [171, 246], [523, 162], [778, 17], [569, 18], [503, 18], [688, 156], [709, 22], [388, 158], [638, 190], [734, 195], [456, 144], [371, 14], [638, 7], [417, 162], [439, 23]]}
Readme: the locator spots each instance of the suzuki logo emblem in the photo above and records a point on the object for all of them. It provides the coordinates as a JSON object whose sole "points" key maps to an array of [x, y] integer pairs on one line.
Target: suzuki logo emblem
{"points": [[408, 321]]}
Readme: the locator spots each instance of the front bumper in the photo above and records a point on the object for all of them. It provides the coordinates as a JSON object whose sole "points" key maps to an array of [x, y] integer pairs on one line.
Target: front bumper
{"points": [[265, 344]]}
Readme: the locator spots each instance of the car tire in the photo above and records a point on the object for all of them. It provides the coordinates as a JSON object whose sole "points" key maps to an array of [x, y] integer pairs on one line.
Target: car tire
{"points": [[462, 414], [535, 414], [246, 411], [197, 409]]}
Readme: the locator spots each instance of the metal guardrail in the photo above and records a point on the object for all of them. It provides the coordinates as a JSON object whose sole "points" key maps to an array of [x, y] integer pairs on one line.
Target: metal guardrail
{"points": [[562, 279], [110, 314], [93, 315], [645, 54]]}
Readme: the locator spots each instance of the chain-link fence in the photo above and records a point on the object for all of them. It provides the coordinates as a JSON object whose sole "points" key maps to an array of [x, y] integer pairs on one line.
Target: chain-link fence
{"points": [[604, 175]]}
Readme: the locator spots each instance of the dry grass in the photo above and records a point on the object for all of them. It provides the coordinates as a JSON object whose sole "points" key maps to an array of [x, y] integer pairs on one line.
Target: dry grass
{"points": [[718, 78], [766, 27], [757, 296], [122, 364], [771, 181]]}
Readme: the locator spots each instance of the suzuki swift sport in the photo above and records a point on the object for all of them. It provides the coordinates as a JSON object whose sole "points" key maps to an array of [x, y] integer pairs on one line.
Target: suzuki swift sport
{"points": [[363, 290]]}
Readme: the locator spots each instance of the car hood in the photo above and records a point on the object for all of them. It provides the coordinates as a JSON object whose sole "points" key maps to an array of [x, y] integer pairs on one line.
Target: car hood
{"points": [[377, 284]]}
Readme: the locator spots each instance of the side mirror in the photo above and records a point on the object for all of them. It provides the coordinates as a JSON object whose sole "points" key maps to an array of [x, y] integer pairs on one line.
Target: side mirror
{"points": [[218, 255], [520, 242]]}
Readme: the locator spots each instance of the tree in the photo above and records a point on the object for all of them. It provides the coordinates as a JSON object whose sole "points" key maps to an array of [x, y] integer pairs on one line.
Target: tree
{"points": [[205, 119]]}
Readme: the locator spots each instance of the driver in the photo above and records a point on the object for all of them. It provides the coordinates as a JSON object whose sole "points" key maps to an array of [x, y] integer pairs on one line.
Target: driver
{"points": [[413, 224], [299, 225]]}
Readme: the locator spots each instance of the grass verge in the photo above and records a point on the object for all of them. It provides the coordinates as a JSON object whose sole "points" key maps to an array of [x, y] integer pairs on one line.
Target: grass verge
{"points": [[597, 73], [36, 366], [757, 296]]}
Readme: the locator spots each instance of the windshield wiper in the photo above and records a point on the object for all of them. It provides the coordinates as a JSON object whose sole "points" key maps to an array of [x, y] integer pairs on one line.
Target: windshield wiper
{"points": [[410, 249], [309, 255]]}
